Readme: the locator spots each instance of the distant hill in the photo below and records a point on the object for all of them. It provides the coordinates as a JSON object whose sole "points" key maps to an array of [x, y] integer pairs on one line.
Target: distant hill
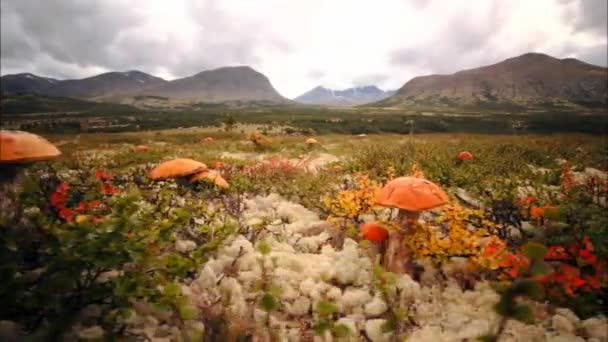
{"points": [[224, 84], [25, 83], [106, 84], [346, 97], [530, 79], [40, 104], [240, 83]]}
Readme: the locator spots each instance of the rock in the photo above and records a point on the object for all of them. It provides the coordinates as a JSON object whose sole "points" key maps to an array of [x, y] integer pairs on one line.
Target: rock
{"points": [[10, 332], [184, 246], [376, 307], [91, 333], [596, 328], [299, 307], [565, 338], [354, 297], [591, 172], [108, 276], [467, 199], [409, 288], [91, 311], [562, 324], [374, 331], [527, 227], [571, 316], [351, 324], [514, 232]]}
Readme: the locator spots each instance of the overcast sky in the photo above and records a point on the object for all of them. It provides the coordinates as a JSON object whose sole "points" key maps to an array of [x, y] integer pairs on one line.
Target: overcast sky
{"points": [[298, 44]]}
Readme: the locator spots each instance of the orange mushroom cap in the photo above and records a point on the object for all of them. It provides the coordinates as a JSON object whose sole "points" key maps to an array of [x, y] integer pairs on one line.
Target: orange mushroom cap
{"points": [[177, 168], [412, 194], [311, 141], [465, 155], [210, 175], [373, 231], [21, 147], [141, 147]]}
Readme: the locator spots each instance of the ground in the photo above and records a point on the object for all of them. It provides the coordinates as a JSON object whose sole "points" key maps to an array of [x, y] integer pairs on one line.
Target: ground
{"points": [[279, 255]]}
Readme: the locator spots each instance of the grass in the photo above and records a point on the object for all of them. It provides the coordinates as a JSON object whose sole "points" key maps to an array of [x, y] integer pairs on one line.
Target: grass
{"points": [[158, 214]]}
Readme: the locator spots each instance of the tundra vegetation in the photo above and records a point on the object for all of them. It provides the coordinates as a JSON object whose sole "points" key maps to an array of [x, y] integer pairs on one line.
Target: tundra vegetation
{"points": [[92, 248]]}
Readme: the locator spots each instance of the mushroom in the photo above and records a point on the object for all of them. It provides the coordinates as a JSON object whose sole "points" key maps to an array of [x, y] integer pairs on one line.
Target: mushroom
{"points": [[141, 148], [18, 148], [210, 175], [465, 155], [374, 232], [310, 142], [260, 140], [410, 195], [208, 140], [177, 168]]}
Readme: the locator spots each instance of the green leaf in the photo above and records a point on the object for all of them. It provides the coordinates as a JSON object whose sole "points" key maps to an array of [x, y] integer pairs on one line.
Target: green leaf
{"points": [[540, 268], [321, 327], [172, 290], [269, 303], [325, 308], [524, 314], [528, 288], [534, 250], [487, 338], [341, 330], [188, 312], [389, 326], [264, 247]]}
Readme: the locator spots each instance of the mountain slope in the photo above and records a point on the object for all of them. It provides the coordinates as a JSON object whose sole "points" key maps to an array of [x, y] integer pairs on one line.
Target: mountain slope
{"points": [[530, 79], [224, 84], [106, 84], [346, 97], [25, 83]]}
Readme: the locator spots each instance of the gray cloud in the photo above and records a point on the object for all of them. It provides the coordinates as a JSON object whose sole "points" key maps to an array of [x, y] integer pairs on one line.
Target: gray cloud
{"points": [[316, 74], [76, 35], [594, 16], [78, 38], [466, 44], [372, 79]]}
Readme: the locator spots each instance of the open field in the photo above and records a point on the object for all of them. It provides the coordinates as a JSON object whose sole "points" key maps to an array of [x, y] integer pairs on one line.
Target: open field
{"points": [[278, 255], [62, 115]]}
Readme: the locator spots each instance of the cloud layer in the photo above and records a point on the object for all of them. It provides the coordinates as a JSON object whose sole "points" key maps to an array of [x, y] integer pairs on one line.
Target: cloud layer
{"points": [[297, 44]]}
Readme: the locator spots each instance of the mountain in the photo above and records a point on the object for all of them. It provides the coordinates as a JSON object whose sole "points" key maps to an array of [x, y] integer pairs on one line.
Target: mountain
{"points": [[224, 84], [107, 84], [346, 97], [25, 83], [530, 79], [240, 83]]}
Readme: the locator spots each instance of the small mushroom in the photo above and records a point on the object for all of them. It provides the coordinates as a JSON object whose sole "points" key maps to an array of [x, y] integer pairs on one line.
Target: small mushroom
{"points": [[373, 231], [465, 155], [310, 142], [410, 195], [208, 140], [176, 168], [210, 175], [260, 140], [18, 148], [141, 148]]}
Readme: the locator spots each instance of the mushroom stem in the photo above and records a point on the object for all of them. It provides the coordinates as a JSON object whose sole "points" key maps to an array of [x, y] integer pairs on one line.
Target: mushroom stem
{"points": [[397, 258]]}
